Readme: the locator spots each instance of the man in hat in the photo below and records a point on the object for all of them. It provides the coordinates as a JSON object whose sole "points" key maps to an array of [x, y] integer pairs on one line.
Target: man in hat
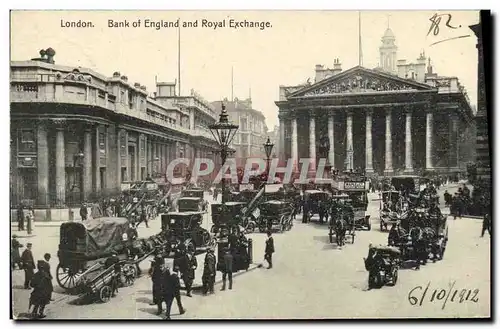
{"points": [[189, 268], [28, 265], [14, 253], [269, 249], [157, 276], [171, 291], [227, 271], [46, 260], [115, 262], [209, 271], [20, 217], [83, 212]]}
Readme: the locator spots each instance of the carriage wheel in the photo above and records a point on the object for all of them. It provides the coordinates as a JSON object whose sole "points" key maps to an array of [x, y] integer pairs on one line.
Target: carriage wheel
{"points": [[105, 294], [67, 278], [129, 274]]}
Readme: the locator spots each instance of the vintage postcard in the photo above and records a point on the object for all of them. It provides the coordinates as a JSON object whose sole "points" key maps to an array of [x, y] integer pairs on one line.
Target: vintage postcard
{"points": [[249, 165]]}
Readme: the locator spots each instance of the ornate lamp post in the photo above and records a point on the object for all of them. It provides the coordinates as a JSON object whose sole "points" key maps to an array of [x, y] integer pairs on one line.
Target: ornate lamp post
{"points": [[223, 132], [268, 148]]}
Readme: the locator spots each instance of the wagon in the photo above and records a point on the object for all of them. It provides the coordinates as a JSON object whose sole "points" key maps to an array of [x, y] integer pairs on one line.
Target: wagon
{"points": [[190, 204], [341, 213], [314, 198], [83, 245], [388, 208], [226, 215], [275, 214], [184, 228]]}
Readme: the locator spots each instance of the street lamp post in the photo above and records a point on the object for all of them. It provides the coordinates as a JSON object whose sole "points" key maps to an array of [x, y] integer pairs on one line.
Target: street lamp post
{"points": [[268, 148], [223, 132]]}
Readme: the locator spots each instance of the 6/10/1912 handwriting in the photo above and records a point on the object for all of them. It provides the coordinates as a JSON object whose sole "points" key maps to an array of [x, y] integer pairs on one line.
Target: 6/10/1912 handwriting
{"points": [[418, 294]]}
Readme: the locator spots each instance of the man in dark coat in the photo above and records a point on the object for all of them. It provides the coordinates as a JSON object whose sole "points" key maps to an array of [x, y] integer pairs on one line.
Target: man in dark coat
{"points": [[115, 262], [157, 276], [20, 217], [188, 271], [268, 256], [28, 265], [171, 290], [227, 271], [209, 271], [83, 212], [42, 290], [46, 259], [486, 225], [15, 255]]}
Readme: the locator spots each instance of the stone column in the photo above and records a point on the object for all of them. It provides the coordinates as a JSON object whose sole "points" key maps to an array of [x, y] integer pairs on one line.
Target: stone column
{"points": [[369, 142], [388, 142], [312, 142], [60, 165], [119, 157], [149, 157], [97, 162], [295, 151], [42, 164], [428, 140], [281, 143], [87, 162], [349, 146], [408, 143], [331, 140]]}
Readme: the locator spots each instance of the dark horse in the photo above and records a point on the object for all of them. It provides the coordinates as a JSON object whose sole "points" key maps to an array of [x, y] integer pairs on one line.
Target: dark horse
{"points": [[340, 230]]}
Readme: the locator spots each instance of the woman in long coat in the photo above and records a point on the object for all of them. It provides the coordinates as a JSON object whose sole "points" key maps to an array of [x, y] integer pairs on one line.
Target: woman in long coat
{"points": [[42, 290]]}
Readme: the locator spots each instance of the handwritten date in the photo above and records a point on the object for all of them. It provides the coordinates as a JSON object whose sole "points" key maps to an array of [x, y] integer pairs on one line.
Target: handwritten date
{"points": [[419, 294]]}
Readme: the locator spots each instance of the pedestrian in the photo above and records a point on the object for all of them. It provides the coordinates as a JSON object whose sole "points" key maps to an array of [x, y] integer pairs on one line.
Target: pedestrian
{"points": [[28, 265], [188, 273], [15, 255], [46, 259], [176, 279], [84, 212], [157, 277], [171, 291], [115, 262], [144, 216], [209, 270], [227, 270], [269, 249], [486, 225], [42, 290], [20, 217]]}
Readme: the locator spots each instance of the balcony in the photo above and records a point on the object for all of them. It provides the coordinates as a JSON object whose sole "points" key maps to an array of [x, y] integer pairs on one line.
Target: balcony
{"points": [[46, 88]]}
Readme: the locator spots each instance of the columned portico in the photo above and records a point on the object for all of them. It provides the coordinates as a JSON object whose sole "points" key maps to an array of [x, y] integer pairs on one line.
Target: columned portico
{"points": [[281, 144], [87, 162], [408, 143], [60, 164], [295, 150], [369, 142], [331, 138], [312, 142], [428, 139], [42, 164], [349, 144], [388, 142]]}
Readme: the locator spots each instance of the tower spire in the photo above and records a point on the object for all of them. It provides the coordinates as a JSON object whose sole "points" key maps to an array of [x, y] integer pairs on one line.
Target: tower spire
{"points": [[360, 50], [388, 21], [232, 84]]}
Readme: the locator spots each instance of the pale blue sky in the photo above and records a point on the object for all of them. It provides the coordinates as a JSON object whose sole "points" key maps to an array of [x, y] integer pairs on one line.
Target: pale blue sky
{"points": [[284, 54]]}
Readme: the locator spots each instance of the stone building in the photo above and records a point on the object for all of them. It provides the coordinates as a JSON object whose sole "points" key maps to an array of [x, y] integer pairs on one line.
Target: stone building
{"points": [[252, 133], [397, 118], [77, 134]]}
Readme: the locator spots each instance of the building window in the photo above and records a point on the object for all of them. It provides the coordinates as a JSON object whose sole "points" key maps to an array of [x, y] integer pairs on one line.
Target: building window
{"points": [[243, 124], [123, 145], [244, 139], [27, 141]]}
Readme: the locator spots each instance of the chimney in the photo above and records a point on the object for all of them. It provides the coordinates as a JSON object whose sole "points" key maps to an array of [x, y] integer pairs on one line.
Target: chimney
{"points": [[116, 75], [337, 66], [50, 55], [320, 73], [124, 78], [137, 85]]}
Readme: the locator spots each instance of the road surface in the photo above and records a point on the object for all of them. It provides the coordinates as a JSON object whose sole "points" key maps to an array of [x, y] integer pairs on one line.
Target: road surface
{"points": [[311, 279]]}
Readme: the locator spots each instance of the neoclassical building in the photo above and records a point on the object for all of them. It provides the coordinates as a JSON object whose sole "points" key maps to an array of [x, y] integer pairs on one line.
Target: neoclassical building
{"points": [[397, 118], [252, 132], [77, 134]]}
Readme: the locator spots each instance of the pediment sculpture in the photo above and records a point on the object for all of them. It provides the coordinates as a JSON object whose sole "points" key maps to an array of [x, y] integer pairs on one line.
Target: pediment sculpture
{"points": [[74, 76], [359, 83]]}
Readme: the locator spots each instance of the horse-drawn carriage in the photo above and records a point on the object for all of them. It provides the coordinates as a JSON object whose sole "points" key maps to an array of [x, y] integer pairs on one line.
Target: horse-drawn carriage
{"points": [[316, 202], [275, 214], [391, 209], [229, 214], [84, 246], [184, 228], [382, 264], [240, 247], [341, 223]]}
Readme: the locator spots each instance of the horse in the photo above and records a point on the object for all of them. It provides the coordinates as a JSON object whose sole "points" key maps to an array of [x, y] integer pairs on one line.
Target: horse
{"points": [[340, 230]]}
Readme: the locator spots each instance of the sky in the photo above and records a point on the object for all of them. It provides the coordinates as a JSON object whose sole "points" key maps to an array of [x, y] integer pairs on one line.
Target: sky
{"points": [[283, 54]]}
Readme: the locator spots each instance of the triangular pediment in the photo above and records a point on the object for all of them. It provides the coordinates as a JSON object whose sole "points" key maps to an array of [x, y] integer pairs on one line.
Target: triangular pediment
{"points": [[360, 80]]}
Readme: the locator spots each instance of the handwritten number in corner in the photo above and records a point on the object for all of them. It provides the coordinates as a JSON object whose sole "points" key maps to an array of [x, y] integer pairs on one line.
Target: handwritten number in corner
{"points": [[436, 20]]}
